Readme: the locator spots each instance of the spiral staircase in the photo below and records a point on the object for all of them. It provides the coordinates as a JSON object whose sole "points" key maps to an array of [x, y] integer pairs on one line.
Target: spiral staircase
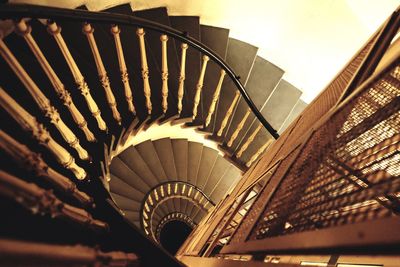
{"points": [[78, 91]]}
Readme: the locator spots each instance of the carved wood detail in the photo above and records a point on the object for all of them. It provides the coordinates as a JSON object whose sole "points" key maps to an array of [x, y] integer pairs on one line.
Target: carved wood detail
{"points": [[25, 31], [42, 101], [115, 30], [145, 69], [164, 72], [238, 128], [181, 85], [248, 141], [34, 162], [215, 98], [40, 134], [199, 86], [88, 30], [83, 87], [228, 114]]}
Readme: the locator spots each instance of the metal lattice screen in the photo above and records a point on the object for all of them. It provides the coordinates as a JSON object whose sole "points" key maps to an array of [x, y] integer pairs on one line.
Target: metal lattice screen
{"points": [[348, 170]]}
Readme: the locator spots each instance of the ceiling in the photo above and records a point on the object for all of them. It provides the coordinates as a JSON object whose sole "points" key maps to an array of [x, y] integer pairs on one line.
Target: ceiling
{"points": [[310, 39]]}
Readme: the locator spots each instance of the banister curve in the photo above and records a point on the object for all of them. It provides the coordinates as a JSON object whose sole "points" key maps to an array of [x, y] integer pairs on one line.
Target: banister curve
{"points": [[13, 11]]}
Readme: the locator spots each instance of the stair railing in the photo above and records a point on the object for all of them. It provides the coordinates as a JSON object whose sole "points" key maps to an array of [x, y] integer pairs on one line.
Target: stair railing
{"points": [[8, 11]]}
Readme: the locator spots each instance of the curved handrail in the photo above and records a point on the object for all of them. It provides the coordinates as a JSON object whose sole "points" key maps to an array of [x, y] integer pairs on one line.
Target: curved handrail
{"points": [[151, 207], [12, 11]]}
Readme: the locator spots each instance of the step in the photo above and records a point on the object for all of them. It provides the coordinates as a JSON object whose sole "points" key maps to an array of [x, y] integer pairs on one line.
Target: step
{"points": [[194, 156], [180, 150], [297, 109], [240, 57], [132, 158], [122, 188], [231, 176], [198, 216], [149, 155], [281, 103], [262, 81], [207, 161], [165, 154], [133, 217], [217, 40], [190, 25], [220, 167], [126, 203], [122, 170], [275, 111]]}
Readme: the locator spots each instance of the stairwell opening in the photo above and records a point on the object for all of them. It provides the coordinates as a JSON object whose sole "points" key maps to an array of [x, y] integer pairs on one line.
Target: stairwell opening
{"points": [[173, 234]]}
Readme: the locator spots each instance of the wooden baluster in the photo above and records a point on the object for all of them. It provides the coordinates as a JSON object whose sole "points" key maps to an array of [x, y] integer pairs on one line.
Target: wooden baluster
{"points": [[19, 253], [199, 86], [34, 162], [39, 133], [115, 30], [248, 141], [145, 69], [25, 31], [259, 152], [41, 201], [164, 72], [238, 128], [181, 86], [88, 30], [215, 98], [42, 101], [228, 114], [55, 31]]}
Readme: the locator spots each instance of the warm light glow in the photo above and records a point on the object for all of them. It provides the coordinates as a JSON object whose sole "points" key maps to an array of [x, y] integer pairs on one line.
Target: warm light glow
{"points": [[311, 40], [309, 263], [357, 265]]}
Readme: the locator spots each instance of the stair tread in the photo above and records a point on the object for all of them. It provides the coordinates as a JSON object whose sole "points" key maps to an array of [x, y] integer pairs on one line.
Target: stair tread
{"points": [[165, 153], [121, 169], [194, 157], [219, 169], [117, 185], [180, 150], [260, 139], [230, 177], [262, 81], [132, 158], [126, 203], [133, 217], [207, 161], [240, 57], [275, 111], [149, 154], [297, 109]]}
